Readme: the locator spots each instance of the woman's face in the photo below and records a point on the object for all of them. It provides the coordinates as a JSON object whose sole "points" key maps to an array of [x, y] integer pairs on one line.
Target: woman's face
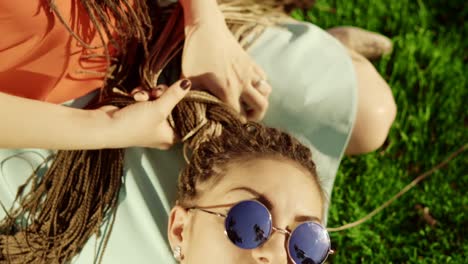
{"points": [[286, 188]]}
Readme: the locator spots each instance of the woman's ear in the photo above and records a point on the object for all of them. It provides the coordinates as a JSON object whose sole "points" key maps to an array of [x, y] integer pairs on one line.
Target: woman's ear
{"points": [[178, 220]]}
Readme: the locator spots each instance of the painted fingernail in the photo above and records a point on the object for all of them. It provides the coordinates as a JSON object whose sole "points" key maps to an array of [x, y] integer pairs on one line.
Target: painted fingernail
{"points": [[136, 90], [185, 84], [141, 96]]}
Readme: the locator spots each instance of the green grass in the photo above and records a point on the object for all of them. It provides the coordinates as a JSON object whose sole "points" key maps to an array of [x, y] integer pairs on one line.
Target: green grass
{"points": [[428, 75]]}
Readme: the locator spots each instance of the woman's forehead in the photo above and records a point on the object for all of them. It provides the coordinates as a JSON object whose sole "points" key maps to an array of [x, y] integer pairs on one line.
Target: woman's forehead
{"points": [[284, 183], [264, 173]]}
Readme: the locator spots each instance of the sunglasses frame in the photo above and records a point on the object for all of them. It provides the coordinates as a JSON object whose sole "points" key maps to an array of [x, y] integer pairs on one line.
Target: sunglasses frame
{"points": [[272, 228]]}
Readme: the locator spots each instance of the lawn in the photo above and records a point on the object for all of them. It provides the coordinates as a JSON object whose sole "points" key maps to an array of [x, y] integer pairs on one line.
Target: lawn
{"points": [[428, 74]]}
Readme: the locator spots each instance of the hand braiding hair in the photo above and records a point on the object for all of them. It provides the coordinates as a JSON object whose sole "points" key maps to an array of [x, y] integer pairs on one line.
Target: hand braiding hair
{"points": [[78, 194]]}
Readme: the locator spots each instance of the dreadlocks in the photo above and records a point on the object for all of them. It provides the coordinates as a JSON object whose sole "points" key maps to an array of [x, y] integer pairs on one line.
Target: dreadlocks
{"points": [[79, 192]]}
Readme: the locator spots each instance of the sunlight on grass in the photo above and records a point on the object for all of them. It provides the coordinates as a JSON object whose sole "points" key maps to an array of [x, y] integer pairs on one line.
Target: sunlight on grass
{"points": [[428, 75]]}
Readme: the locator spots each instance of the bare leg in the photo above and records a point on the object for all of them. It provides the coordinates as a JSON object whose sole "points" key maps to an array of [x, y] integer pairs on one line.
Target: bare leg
{"points": [[376, 108], [376, 105], [369, 44]]}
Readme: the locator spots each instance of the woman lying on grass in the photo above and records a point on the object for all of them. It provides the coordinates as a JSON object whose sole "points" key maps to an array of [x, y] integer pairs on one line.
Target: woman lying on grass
{"points": [[76, 199]]}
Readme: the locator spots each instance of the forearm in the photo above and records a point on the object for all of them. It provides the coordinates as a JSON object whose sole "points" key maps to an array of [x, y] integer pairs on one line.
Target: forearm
{"points": [[26, 123]]}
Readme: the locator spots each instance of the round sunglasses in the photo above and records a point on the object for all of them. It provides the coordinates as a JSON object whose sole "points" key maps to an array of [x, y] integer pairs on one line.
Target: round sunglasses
{"points": [[248, 225]]}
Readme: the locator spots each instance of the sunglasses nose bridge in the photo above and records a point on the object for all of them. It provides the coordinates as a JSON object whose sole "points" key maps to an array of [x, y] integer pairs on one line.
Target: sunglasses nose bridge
{"points": [[282, 231], [273, 250]]}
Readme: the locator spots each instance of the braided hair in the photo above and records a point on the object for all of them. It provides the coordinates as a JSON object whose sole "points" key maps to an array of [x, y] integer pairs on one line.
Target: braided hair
{"points": [[59, 211]]}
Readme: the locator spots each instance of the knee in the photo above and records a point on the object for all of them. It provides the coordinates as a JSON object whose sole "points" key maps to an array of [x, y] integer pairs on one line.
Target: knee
{"points": [[372, 127], [376, 108], [382, 120]]}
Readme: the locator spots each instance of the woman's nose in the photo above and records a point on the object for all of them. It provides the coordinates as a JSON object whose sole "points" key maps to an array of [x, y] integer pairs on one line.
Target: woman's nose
{"points": [[273, 251]]}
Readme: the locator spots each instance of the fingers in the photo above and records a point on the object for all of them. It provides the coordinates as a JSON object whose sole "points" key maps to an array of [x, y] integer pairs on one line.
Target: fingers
{"points": [[255, 96], [234, 102], [260, 72], [256, 103], [173, 95], [226, 93], [140, 95], [158, 91], [262, 87]]}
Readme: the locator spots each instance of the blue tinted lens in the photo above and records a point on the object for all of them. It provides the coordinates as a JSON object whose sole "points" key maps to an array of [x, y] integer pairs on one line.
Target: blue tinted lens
{"points": [[309, 243], [248, 224]]}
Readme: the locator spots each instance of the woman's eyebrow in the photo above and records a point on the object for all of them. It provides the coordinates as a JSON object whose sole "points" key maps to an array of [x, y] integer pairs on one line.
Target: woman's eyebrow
{"points": [[264, 200], [258, 196], [307, 218]]}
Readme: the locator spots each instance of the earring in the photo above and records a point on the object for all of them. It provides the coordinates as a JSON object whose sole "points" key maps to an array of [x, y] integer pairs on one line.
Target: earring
{"points": [[177, 253]]}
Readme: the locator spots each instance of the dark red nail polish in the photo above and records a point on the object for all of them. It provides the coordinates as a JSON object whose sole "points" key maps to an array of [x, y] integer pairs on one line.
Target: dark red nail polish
{"points": [[185, 84]]}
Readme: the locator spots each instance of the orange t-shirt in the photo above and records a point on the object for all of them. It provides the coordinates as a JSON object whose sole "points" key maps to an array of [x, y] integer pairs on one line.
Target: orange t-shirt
{"points": [[40, 59]]}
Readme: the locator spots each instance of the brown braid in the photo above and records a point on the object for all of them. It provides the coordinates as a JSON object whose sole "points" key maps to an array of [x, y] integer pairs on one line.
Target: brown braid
{"points": [[239, 142], [132, 24], [79, 192]]}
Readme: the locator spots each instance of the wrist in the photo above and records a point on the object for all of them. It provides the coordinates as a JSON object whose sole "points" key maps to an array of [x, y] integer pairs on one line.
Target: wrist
{"points": [[201, 11], [108, 135]]}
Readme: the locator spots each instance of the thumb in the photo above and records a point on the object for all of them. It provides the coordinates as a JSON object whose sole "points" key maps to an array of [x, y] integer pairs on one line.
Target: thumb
{"points": [[172, 96]]}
